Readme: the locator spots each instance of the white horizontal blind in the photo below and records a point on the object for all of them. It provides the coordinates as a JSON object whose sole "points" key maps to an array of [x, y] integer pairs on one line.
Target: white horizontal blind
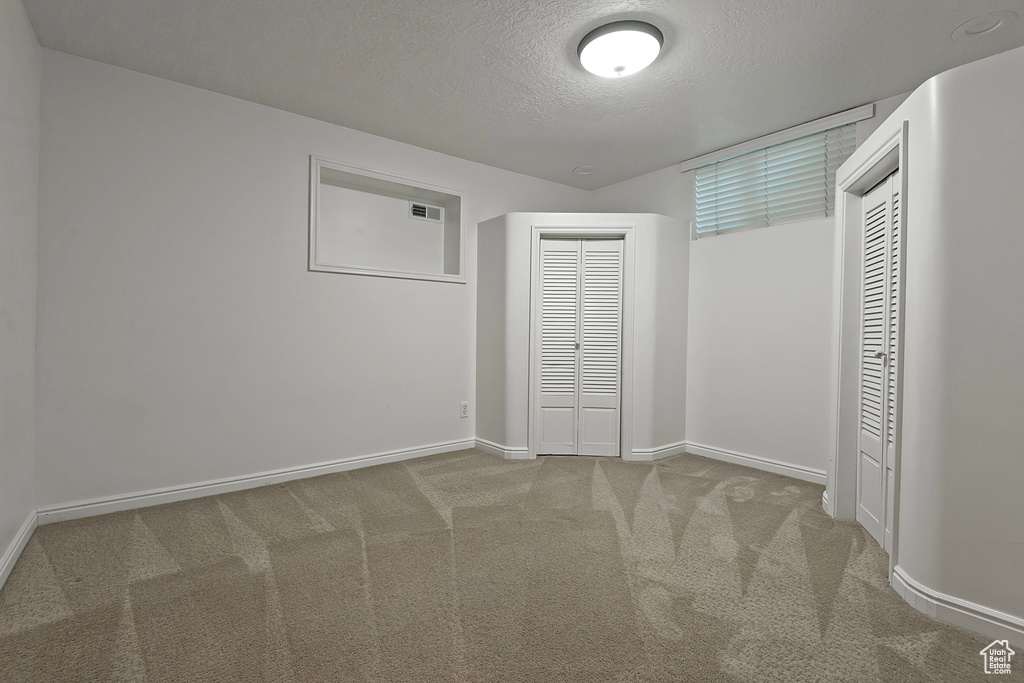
{"points": [[779, 184]]}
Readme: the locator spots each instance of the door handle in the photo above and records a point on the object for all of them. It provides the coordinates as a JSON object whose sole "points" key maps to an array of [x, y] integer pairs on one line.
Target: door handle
{"points": [[577, 346], [883, 356]]}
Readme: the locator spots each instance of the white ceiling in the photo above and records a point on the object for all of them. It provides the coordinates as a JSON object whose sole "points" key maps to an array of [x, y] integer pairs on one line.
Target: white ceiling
{"points": [[497, 81]]}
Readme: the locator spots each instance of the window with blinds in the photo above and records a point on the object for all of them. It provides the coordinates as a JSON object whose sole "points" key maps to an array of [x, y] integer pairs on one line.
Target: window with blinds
{"points": [[782, 183]]}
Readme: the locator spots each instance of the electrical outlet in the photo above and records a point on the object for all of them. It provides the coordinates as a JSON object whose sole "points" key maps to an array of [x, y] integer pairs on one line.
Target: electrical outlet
{"points": [[464, 409]]}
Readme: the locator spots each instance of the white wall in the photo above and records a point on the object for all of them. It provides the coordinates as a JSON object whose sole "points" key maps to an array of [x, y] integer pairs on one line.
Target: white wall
{"points": [[759, 338], [664, 192], [661, 322], [500, 332], [959, 531], [883, 110], [19, 171], [758, 331], [181, 337], [369, 230]]}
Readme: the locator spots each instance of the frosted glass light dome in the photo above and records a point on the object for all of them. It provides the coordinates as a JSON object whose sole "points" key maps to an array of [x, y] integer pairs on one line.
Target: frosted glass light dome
{"points": [[620, 48]]}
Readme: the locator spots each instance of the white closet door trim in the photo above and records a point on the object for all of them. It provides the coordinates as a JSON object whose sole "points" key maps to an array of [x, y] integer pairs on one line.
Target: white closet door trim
{"points": [[873, 161], [626, 234]]}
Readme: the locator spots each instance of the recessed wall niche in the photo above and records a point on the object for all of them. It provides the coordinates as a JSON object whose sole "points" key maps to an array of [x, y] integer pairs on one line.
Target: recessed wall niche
{"points": [[364, 222]]}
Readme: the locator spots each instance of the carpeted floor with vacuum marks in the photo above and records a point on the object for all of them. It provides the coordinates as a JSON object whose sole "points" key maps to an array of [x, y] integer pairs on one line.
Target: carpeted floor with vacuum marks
{"points": [[464, 567]]}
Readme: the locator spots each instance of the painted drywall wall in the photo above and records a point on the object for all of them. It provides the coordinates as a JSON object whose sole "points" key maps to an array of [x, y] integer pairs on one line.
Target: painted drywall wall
{"points": [[498, 334], [883, 110], [19, 169], [181, 337], [503, 326], [963, 382], [759, 338], [663, 192], [759, 325], [659, 363], [369, 230]]}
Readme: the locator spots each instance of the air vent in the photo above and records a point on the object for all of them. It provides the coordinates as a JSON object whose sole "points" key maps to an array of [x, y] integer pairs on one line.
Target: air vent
{"points": [[426, 212]]}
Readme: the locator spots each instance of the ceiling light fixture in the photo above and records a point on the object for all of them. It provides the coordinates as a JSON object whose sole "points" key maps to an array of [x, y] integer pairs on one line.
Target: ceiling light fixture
{"points": [[620, 48]]}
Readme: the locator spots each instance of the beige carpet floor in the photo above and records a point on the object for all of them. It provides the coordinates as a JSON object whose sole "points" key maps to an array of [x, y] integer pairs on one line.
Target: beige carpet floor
{"points": [[464, 567]]}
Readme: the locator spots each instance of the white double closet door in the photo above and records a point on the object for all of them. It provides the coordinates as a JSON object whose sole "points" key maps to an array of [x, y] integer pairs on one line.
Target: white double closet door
{"points": [[880, 361], [577, 395]]}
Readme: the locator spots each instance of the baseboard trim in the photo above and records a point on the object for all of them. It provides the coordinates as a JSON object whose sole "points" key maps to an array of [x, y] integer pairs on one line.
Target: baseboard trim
{"points": [[757, 462], [48, 514], [506, 452], [652, 454], [989, 622], [13, 551]]}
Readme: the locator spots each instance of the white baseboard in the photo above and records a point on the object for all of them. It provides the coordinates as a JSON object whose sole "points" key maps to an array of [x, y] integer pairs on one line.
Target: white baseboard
{"points": [[652, 454], [101, 506], [757, 462], [638, 455], [506, 452], [13, 551], [989, 622]]}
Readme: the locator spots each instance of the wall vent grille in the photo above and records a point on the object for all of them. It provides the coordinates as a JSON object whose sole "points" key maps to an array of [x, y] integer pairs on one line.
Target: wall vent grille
{"points": [[426, 212]]}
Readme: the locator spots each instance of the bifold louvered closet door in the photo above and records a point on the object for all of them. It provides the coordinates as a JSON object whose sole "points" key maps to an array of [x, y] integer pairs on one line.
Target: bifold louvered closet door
{"points": [[880, 336], [580, 347]]}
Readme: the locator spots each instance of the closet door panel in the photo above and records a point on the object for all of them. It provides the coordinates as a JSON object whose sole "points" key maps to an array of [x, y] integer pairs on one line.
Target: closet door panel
{"points": [[874, 379], [893, 355], [559, 320], [601, 347]]}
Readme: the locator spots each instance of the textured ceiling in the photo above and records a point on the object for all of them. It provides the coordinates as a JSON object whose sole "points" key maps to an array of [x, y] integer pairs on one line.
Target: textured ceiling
{"points": [[498, 81]]}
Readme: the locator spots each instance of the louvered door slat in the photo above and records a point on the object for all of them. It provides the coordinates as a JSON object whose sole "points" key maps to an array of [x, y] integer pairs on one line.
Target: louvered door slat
{"points": [[874, 318], [558, 322], [600, 332]]}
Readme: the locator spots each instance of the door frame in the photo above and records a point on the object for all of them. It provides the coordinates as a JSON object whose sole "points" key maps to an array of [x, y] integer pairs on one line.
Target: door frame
{"points": [[873, 162], [627, 234]]}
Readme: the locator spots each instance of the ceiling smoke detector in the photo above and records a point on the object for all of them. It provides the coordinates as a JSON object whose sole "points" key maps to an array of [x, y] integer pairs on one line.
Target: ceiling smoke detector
{"points": [[985, 25], [620, 48]]}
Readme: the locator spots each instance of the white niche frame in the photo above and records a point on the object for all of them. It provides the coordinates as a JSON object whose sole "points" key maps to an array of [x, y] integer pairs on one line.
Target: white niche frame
{"points": [[406, 188]]}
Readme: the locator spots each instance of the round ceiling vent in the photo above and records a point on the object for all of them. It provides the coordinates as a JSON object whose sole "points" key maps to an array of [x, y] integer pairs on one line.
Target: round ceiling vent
{"points": [[583, 170], [985, 25]]}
